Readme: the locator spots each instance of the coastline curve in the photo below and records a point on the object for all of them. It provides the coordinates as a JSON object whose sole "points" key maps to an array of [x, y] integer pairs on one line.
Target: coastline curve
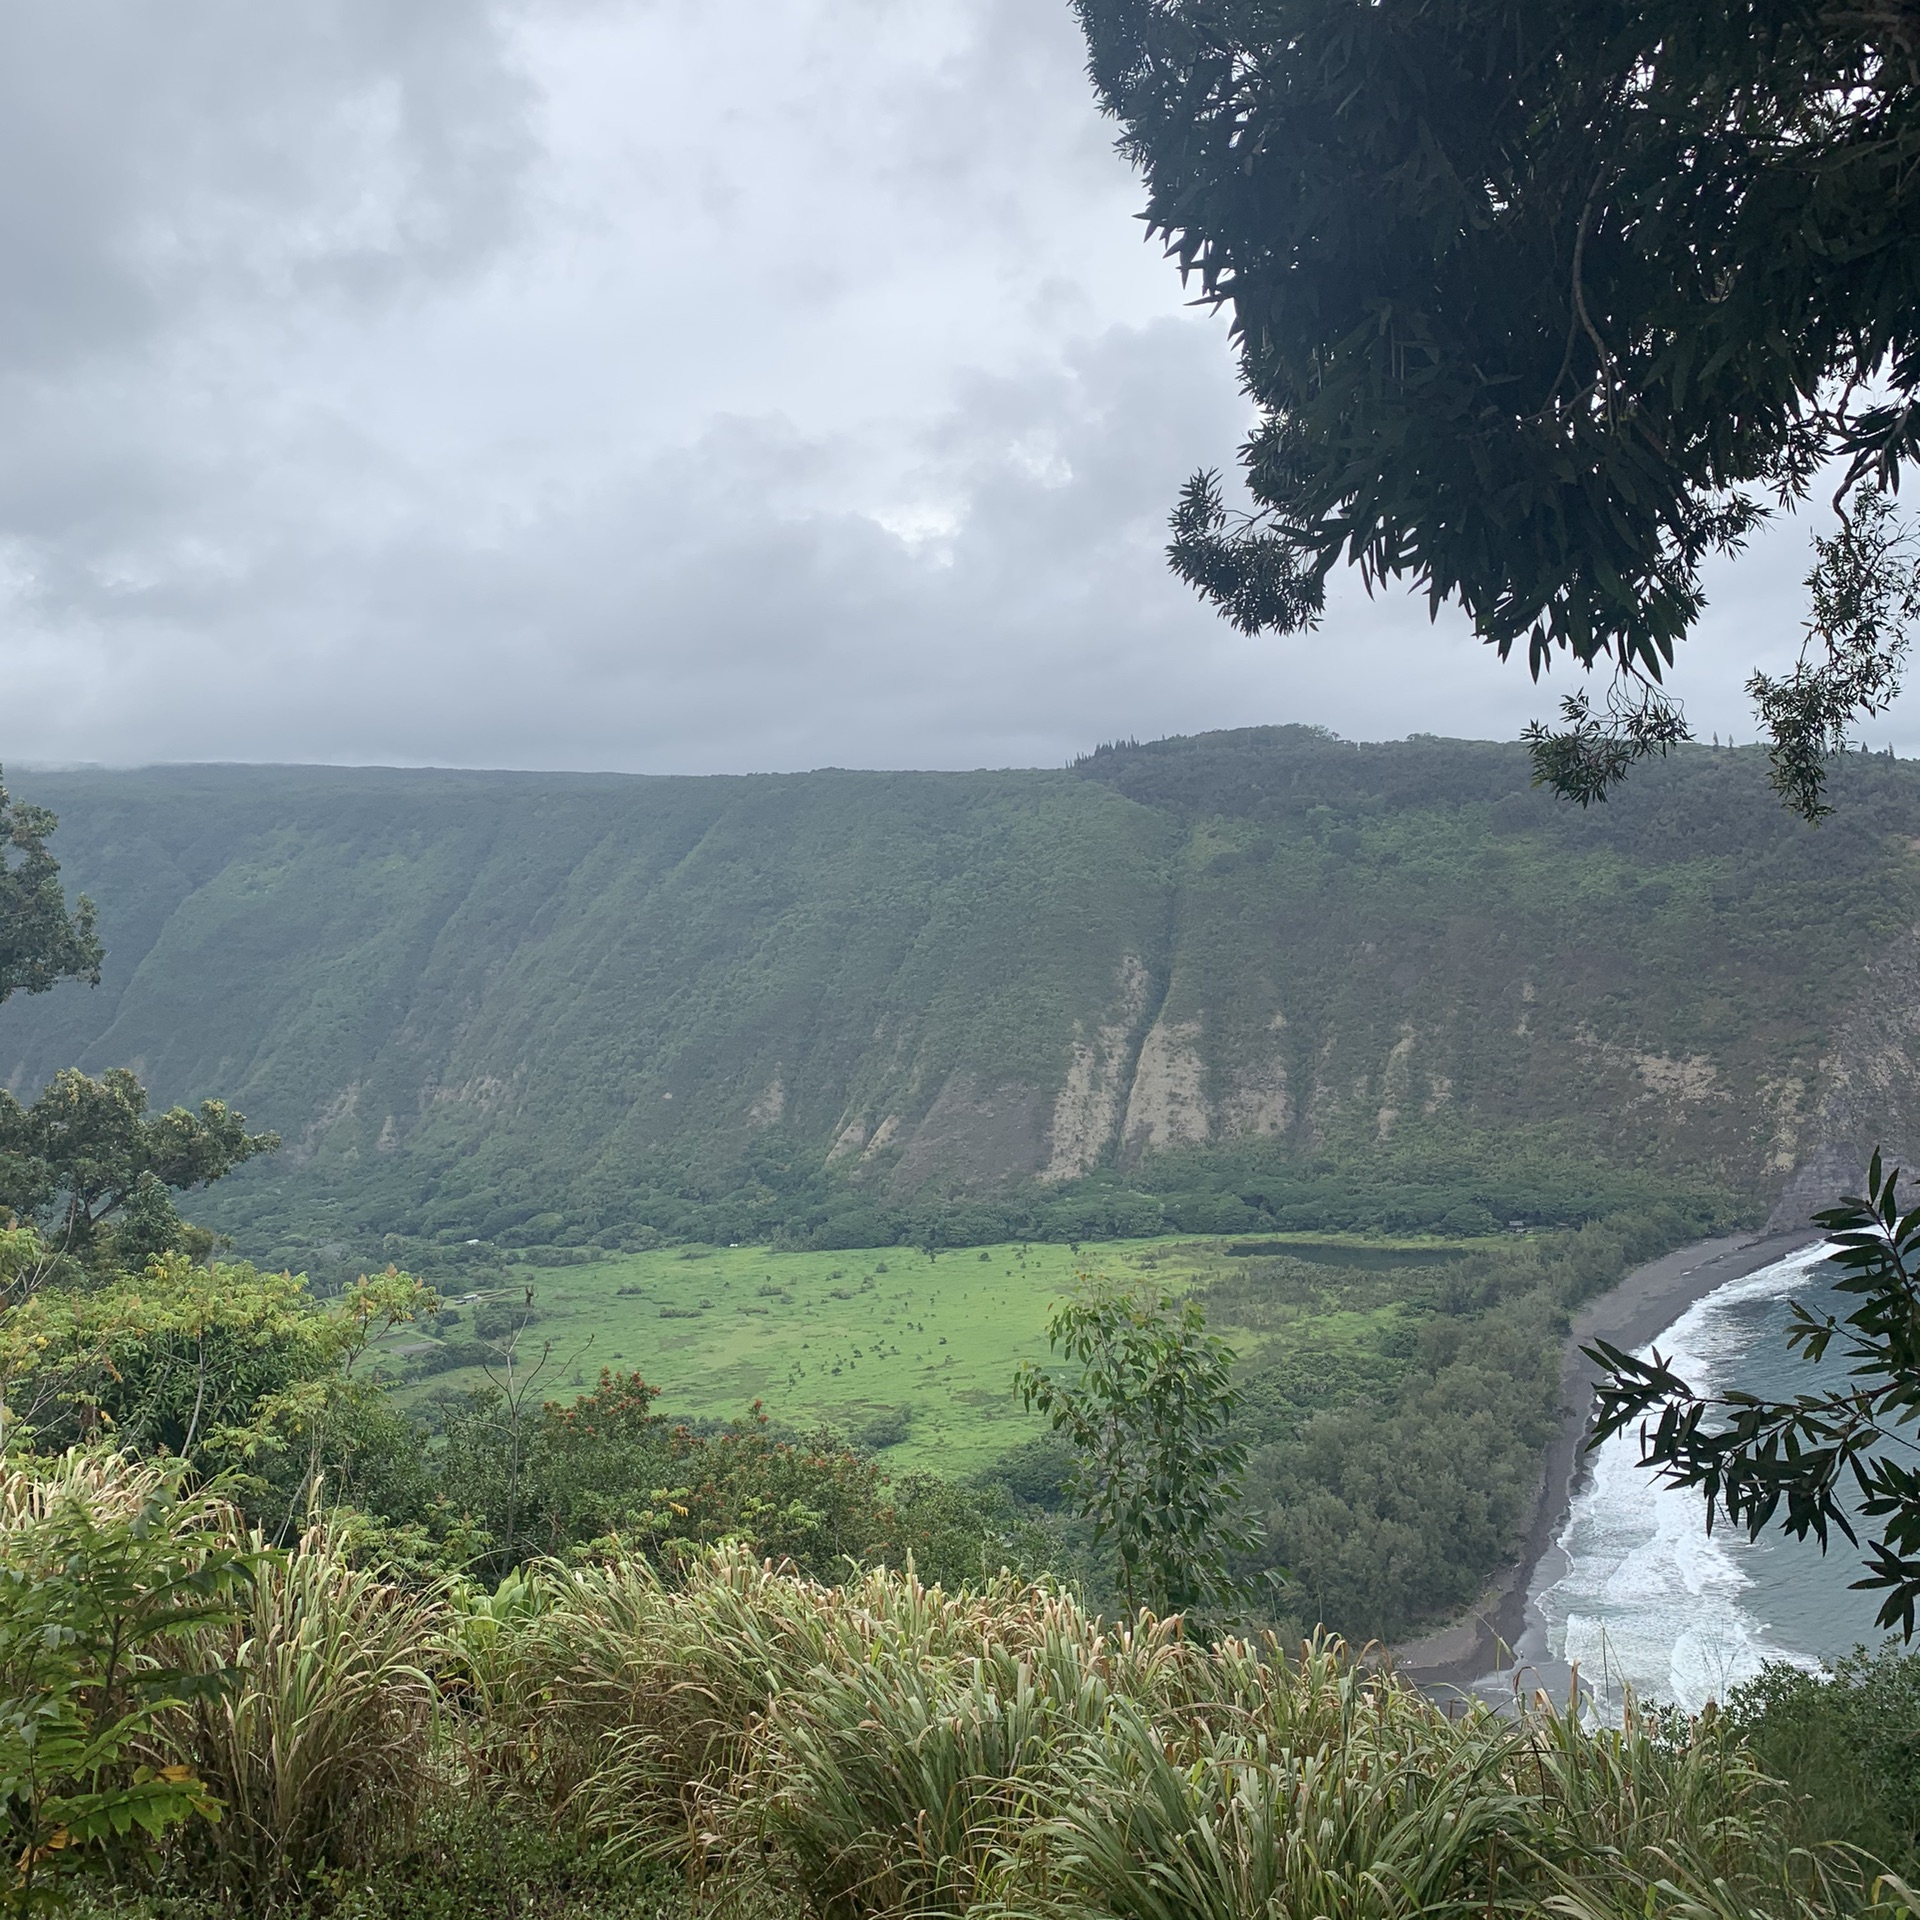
{"points": [[1504, 1631]]}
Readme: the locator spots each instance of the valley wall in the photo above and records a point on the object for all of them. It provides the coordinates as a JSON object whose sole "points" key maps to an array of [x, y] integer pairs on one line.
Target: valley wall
{"points": [[502, 1006]]}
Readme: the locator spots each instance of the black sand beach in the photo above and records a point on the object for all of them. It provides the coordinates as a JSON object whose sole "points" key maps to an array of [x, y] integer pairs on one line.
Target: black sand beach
{"points": [[1630, 1315]]}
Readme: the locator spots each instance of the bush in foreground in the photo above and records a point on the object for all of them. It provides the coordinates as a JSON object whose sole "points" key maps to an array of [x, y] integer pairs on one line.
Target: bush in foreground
{"points": [[875, 1749], [1847, 1743]]}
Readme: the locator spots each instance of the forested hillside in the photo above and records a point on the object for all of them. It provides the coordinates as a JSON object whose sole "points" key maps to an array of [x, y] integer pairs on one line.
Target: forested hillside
{"points": [[1219, 983]]}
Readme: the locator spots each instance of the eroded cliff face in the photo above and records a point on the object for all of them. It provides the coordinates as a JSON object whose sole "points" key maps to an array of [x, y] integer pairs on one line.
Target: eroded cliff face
{"points": [[1093, 1098], [1270, 945], [1685, 1006], [974, 1134], [1865, 1093], [1442, 1055]]}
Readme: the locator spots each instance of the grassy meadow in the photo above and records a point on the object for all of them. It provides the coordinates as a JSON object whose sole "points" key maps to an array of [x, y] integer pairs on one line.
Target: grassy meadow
{"points": [[885, 1345]]}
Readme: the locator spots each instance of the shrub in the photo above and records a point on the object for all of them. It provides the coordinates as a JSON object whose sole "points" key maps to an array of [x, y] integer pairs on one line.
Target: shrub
{"points": [[1325, 1790], [466, 1862], [1847, 1743], [886, 1748], [886, 1429], [104, 1565], [320, 1749]]}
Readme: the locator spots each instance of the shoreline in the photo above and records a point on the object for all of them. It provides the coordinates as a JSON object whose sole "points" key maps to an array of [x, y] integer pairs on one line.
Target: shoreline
{"points": [[1629, 1315]]}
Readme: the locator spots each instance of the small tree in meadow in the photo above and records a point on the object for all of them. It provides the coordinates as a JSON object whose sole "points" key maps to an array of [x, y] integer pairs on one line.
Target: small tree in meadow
{"points": [[1150, 1416]]}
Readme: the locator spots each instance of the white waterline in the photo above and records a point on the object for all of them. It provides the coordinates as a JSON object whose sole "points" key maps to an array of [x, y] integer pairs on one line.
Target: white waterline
{"points": [[1649, 1600]]}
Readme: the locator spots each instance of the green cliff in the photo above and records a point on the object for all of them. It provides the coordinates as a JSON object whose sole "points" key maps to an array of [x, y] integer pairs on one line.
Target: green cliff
{"points": [[1244, 979]]}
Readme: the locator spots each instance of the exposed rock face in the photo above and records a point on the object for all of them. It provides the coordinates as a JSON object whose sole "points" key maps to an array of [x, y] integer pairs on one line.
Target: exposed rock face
{"points": [[1867, 1093], [1671, 1081], [1088, 1111], [1262, 1098], [1396, 1079], [1815, 1183], [1168, 1104], [566, 991], [1147, 1092], [342, 1107], [771, 1107], [972, 1136], [1128, 1085]]}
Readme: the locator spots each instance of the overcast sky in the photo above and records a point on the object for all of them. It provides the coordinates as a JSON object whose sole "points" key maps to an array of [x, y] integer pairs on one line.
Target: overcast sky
{"points": [[671, 385]]}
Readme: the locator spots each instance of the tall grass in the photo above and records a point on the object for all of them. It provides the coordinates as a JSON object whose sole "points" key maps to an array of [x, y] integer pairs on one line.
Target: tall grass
{"points": [[109, 1485], [319, 1744], [1396, 1811], [645, 1704], [885, 1750]]}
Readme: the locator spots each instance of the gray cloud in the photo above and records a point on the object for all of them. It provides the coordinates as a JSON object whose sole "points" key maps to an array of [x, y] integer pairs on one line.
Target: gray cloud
{"points": [[688, 385], [158, 167]]}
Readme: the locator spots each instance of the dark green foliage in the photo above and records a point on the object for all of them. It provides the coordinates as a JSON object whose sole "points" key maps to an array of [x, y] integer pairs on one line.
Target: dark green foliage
{"points": [[1536, 312], [1037, 1472], [1866, 595], [469, 1858], [41, 942], [1396, 1476], [1847, 1744], [1395, 1510], [86, 1150], [538, 1478], [516, 1479], [886, 1429], [467, 1862], [1750, 1458], [233, 1373], [94, 1601], [1158, 1466], [1592, 752]]}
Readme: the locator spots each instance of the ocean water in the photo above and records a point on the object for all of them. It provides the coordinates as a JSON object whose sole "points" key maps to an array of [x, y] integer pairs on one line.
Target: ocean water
{"points": [[1639, 1595]]}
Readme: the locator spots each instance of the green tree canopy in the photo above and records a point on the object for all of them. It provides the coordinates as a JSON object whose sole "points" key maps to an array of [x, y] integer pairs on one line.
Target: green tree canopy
{"points": [[1150, 1414], [87, 1151], [41, 942], [1540, 308]]}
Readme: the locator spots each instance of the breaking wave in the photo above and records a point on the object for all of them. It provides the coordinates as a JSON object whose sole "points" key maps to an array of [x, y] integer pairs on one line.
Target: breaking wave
{"points": [[1650, 1600]]}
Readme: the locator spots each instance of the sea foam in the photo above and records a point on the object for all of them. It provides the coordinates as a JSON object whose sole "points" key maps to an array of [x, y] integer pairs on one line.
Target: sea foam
{"points": [[1650, 1601]]}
